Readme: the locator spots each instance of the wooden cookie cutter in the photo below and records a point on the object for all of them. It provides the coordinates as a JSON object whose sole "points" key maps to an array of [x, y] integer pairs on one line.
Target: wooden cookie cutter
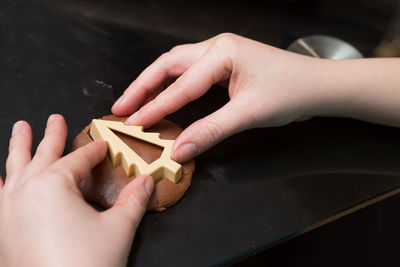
{"points": [[132, 163]]}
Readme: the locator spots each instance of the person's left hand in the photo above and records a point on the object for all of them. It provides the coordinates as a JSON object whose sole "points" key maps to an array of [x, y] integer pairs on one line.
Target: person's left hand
{"points": [[44, 220]]}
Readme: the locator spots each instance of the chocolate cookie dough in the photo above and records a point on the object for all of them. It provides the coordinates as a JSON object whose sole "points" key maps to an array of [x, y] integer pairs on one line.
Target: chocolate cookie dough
{"points": [[104, 182]]}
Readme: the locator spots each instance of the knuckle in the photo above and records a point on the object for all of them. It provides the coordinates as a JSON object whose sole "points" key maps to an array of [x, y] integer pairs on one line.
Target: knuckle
{"points": [[213, 130], [164, 57], [88, 156], [16, 143], [57, 173], [40, 151], [181, 90], [226, 46], [226, 40], [160, 103], [177, 48], [138, 202], [13, 144], [226, 34], [56, 131], [187, 96], [179, 86], [165, 60]]}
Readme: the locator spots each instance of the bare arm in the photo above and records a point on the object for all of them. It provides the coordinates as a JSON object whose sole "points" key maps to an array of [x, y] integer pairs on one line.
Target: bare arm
{"points": [[365, 89], [267, 87]]}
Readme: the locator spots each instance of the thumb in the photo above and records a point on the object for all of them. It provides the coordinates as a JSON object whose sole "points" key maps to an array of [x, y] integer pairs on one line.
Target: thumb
{"points": [[132, 202], [208, 131]]}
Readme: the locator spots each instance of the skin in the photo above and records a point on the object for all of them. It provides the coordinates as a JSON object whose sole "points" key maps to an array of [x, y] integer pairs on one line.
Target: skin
{"points": [[267, 87], [44, 219], [43, 216]]}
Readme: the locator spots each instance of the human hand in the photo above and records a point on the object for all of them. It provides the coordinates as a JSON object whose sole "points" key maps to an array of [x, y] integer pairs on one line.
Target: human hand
{"points": [[267, 87], [44, 220]]}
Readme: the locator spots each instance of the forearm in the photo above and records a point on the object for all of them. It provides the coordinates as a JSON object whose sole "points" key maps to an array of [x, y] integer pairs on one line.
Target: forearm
{"points": [[365, 89], [267, 87]]}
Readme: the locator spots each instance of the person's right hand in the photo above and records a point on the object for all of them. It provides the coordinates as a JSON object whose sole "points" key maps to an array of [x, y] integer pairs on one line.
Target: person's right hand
{"points": [[267, 87]]}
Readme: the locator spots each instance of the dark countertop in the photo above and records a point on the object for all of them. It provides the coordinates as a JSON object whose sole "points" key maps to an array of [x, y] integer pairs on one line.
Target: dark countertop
{"points": [[250, 192]]}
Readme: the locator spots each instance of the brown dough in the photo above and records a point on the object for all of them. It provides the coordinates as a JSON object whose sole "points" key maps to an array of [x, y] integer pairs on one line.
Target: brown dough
{"points": [[104, 182]]}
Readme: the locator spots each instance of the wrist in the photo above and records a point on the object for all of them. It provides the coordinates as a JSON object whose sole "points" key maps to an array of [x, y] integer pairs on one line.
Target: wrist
{"points": [[335, 87], [365, 89], [314, 83]]}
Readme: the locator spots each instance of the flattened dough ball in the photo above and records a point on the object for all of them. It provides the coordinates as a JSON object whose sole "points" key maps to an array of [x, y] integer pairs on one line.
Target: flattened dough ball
{"points": [[104, 182]]}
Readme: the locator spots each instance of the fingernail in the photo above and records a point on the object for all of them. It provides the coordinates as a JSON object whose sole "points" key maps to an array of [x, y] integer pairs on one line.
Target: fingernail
{"points": [[132, 118], [149, 186], [185, 152], [16, 128], [51, 119], [118, 102]]}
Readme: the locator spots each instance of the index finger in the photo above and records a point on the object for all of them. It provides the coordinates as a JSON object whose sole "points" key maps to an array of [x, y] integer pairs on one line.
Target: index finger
{"points": [[76, 165], [214, 66], [168, 66]]}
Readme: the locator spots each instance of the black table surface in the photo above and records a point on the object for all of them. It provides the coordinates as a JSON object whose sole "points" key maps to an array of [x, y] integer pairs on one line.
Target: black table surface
{"points": [[250, 192]]}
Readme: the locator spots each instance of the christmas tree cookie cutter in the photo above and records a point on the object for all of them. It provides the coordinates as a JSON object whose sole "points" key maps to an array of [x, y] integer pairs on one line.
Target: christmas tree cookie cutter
{"points": [[132, 163]]}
